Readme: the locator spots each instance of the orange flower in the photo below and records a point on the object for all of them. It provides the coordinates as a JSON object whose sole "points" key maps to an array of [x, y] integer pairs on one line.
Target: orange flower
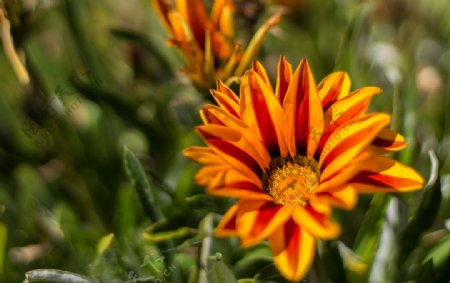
{"points": [[208, 44], [292, 153]]}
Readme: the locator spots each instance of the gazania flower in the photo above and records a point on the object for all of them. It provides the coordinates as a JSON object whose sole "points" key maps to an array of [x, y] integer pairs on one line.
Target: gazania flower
{"points": [[208, 44], [291, 153]]}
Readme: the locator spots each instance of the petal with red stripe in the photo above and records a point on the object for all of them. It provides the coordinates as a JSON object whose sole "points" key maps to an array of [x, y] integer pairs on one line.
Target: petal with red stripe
{"points": [[261, 111], [388, 141], [317, 224], [218, 116], [293, 249], [261, 71], [308, 112], [347, 109], [284, 71], [344, 197], [232, 183], [350, 140], [383, 174], [256, 220], [227, 226], [333, 87], [194, 13], [234, 148]]}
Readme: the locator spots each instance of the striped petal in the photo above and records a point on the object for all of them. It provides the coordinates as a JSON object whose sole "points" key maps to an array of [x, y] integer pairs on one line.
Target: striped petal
{"points": [[261, 111], [383, 174], [308, 113], [348, 141], [256, 220], [232, 183], [215, 115], [332, 88], [347, 109], [233, 148], [226, 99], [293, 248], [259, 69], [341, 177], [388, 141], [227, 226], [317, 224], [283, 79], [194, 13], [208, 174], [345, 197]]}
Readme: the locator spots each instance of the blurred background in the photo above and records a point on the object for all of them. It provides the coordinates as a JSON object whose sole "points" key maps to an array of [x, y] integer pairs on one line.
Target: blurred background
{"points": [[101, 77]]}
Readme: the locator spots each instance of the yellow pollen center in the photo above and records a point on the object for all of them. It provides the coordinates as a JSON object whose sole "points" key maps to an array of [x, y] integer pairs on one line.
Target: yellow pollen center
{"points": [[293, 183]]}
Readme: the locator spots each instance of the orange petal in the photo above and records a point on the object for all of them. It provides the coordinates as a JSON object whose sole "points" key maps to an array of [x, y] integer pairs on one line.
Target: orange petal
{"points": [[315, 222], [208, 174], [308, 115], [341, 177], [194, 13], [348, 141], [261, 111], [232, 183], [388, 141], [283, 79], [215, 115], [333, 87], [203, 155], [182, 35], [222, 17], [212, 114], [261, 71], [383, 174], [226, 99], [227, 226], [293, 249], [221, 45], [346, 197], [241, 190], [344, 110], [256, 220], [234, 148]]}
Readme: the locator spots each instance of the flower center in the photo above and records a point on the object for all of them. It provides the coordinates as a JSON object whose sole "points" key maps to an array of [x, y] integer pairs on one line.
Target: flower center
{"points": [[293, 181]]}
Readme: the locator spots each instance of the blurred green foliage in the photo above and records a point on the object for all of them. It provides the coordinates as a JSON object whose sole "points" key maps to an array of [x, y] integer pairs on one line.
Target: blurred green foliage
{"points": [[103, 78]]}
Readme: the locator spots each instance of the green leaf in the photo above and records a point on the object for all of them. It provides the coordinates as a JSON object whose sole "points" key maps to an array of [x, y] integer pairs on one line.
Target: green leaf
{"points": [[104, 243], [253, 261], [332, 259], [426, 272], [140, 182], [217, 271], [421, 221], [367, 239], [182, 232], [125, 213], [439, 253], [3, 239], [137, 176]]}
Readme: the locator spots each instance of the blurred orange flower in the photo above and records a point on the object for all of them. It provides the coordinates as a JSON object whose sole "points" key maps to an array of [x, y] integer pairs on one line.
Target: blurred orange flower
{"points": [[292, 153], [208, 43]]}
